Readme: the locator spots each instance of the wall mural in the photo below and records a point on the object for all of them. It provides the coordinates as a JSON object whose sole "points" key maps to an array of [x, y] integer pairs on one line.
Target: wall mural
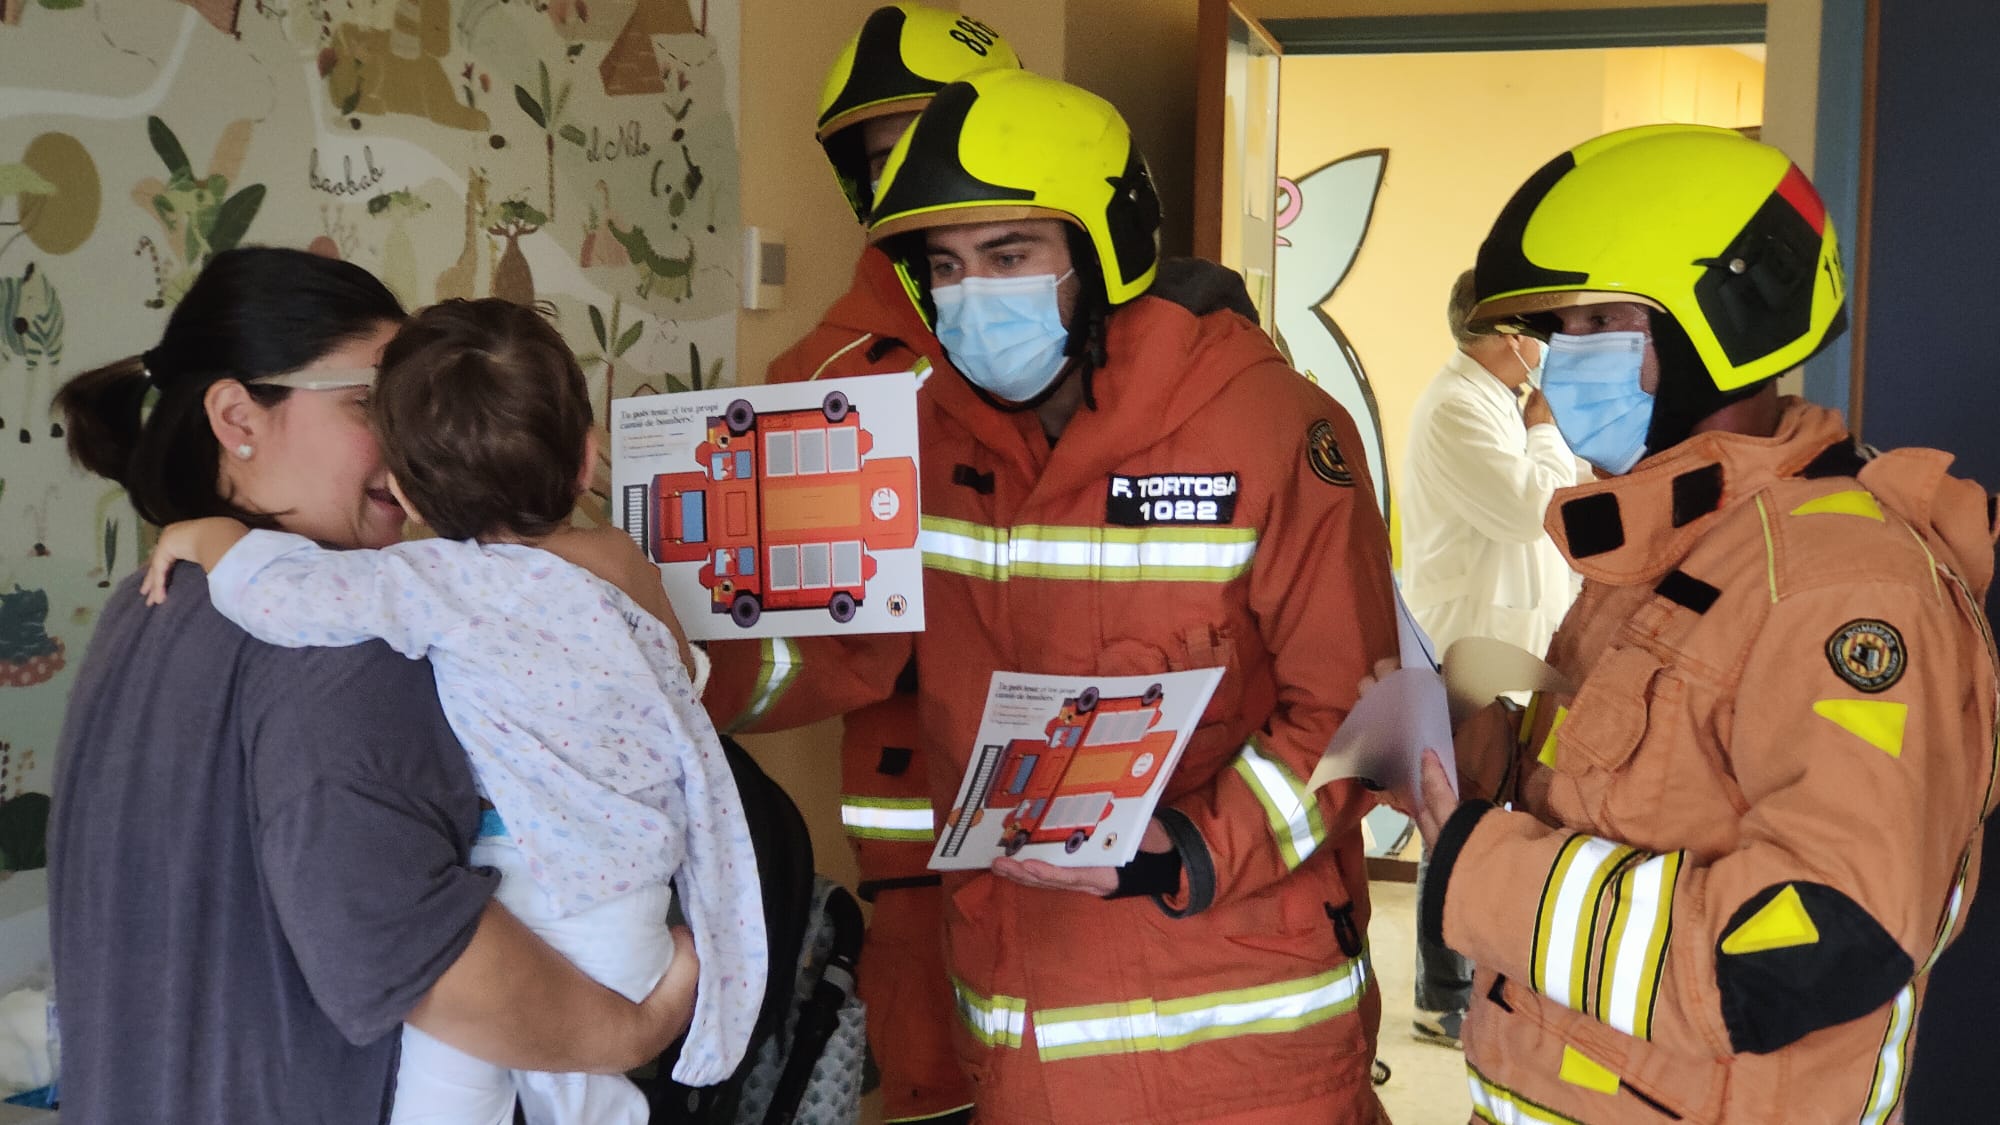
{"points": [[580, 153], [1322, 220]]}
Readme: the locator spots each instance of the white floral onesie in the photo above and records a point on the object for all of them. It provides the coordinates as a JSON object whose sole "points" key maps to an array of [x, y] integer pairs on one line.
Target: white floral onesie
{"points": [[580, 722]]}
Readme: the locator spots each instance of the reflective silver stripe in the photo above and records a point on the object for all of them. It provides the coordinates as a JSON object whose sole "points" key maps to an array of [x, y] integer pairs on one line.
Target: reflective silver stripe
{"points": [[781, 664], [1099, 554], [1569, 923], [1502, 1106], [887, 818], [1292, 812], [1170, 1025], [998, 1022], [1890, 1066], [1635, 949]]}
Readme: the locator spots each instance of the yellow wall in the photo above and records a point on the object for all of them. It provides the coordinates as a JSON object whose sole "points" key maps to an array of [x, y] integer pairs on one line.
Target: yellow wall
{"points": [[1463, 130]]}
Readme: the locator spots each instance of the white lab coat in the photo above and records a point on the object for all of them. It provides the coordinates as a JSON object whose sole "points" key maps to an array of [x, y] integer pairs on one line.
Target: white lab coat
{"points": [[1476, 482]]}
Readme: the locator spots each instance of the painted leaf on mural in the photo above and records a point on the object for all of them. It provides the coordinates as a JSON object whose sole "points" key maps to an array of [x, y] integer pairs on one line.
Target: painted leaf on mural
{"points": [[232, 219], [169, 148]]}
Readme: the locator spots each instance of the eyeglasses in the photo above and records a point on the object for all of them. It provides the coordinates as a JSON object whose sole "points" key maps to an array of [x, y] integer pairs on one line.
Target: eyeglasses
{"points": [[321, 378]]}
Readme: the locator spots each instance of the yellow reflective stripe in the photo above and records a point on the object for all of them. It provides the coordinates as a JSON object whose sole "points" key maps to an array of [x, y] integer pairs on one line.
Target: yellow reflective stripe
{"points": [[1770, 550], [1635, 949], [928, 1116], [1853, 502], [1096, 554], [1952, 906], [1170, 1025], [1579, 1069], [887, 818], [1291, 811], [1529, 715], [1501, 1106], [996, 1022], [1566, 924], [1891, 1067], [828, 361], [781, 666], [1547, 755]]}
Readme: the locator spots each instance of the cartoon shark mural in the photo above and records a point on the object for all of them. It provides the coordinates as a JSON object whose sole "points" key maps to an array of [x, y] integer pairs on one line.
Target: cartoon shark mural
{"points": [[1322, 219]]}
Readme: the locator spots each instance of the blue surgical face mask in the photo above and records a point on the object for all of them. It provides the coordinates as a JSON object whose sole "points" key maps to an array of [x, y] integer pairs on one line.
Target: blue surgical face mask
{"points": [[1592, 384], [1004, 333]]}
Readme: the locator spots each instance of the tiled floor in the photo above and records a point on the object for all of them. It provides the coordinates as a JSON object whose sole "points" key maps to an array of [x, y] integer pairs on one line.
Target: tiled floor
{"points": [[1427, 1083]]}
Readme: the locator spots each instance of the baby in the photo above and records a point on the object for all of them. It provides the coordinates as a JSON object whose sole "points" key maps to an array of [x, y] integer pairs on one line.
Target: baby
{"points": [[563, 672]]}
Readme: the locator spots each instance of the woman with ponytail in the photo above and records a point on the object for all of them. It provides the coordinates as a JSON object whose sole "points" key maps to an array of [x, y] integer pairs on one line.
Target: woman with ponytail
{"points": [[258, 855]]}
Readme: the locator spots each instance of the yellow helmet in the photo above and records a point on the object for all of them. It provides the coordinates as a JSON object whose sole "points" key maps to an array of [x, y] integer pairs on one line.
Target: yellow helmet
{"points": [[1005, 145], [1722, 233], [903, 54]]}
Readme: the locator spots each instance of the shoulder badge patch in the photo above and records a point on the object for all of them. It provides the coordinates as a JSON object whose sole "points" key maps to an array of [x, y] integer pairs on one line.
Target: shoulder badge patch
{"points": [[1868, 654], [1323, 454]]}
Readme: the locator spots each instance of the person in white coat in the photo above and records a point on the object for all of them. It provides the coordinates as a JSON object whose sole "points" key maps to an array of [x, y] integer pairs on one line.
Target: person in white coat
{"points": [[1483, 459]]}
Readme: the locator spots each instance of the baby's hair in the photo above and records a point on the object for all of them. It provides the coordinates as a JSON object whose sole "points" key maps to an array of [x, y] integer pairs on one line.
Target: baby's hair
{"points": [[484, 418]]}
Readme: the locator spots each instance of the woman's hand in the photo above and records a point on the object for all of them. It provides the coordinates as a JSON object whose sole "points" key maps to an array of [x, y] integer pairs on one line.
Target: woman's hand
{"points": [[667, 1011], [202, 541]]}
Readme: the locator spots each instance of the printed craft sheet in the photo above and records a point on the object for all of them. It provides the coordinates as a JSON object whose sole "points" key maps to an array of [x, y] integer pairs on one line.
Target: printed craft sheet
{"points": [[1068, 769], [777, 511]]}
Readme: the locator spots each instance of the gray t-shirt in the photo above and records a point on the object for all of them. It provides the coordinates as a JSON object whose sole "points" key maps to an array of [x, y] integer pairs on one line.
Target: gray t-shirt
{"points": [[257, 866]]}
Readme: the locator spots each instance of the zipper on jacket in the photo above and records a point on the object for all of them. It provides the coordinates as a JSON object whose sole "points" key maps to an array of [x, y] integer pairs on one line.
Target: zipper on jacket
{"points": [[1344, 930]]}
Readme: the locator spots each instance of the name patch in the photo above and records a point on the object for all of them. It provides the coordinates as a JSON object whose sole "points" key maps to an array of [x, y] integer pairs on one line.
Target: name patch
{"points": [[1171, 498]]}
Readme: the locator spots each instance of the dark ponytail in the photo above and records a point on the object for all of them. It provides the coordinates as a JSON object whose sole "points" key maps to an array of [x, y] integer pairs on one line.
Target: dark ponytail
{"points": [[254, 311]]}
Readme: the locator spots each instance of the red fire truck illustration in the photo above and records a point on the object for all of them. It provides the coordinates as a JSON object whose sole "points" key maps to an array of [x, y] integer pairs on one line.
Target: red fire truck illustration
{"points": [[784, 513], [1062, 787]]}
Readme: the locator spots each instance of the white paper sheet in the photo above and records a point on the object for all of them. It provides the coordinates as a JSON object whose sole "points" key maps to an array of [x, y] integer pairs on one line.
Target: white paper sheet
{"points": [[777, 511], [1478, 670], [1068, 769], [1383, 739]]}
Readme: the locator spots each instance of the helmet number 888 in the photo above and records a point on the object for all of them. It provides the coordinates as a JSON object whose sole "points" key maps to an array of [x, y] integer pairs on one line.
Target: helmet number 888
{"points": [[976, 36]]}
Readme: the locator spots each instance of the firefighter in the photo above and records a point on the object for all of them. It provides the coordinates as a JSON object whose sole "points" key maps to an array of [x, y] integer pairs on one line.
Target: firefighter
{"points": [[1222, 975], [1708, 884], [902, 55]]}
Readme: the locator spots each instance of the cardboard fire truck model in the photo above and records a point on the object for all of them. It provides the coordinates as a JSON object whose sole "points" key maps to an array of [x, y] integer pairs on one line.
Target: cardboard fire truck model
{"points": [[785, 512], [1062, 787]]}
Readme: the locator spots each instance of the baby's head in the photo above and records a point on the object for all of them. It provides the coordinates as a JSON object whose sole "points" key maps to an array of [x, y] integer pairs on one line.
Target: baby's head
{"points": [[485, 421]]}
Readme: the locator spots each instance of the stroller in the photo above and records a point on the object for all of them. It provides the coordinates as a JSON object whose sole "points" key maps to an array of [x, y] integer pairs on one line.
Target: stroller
{"points": [[806, 1058]]}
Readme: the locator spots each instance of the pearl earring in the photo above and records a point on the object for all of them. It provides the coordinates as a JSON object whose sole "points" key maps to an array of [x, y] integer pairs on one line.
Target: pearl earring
{"points": [[244, 451]]}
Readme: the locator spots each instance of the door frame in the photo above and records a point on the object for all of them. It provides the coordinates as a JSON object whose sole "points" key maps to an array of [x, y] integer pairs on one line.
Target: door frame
{"points": [[1843, 140]]}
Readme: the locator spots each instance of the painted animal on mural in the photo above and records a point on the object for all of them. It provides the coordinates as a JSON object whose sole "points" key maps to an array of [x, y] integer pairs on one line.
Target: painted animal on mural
{"points": [[1323, 219], [398, 69], [31, 337]]}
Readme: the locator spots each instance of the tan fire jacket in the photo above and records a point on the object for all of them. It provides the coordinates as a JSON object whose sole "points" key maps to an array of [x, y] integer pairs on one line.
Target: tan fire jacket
{"points": [[1733, 854]]}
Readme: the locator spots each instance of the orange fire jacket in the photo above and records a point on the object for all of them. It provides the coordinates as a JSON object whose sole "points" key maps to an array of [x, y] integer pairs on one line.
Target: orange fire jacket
{"points": [[885, 796], [1734, 853], [1246, 995]]}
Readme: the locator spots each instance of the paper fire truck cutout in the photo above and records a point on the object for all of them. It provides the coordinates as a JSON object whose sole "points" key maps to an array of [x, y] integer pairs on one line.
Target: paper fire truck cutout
{"points": [[1061, 788], [786, 511]]}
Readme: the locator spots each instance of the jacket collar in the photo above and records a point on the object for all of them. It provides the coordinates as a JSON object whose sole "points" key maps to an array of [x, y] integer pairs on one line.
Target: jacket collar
{"points": [[1635, 528], [1166, 365], [1475, 373]]}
